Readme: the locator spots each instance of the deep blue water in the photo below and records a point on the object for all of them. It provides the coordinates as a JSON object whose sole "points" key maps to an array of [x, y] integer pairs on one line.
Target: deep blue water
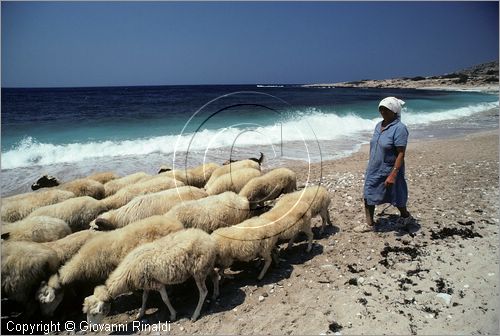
{"points": [[81, 115]]}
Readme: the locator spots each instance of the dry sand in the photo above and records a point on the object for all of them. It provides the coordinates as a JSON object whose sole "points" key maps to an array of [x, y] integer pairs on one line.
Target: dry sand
{"points": [[438, 277]]}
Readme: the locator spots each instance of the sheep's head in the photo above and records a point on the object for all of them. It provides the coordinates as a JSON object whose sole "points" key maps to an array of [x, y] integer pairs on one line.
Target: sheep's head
{"points": [[97, 306], [49, 298]]}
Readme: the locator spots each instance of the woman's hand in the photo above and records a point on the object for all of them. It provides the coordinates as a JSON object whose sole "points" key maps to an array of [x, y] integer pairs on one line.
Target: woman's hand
{"points": [[390, 180]]}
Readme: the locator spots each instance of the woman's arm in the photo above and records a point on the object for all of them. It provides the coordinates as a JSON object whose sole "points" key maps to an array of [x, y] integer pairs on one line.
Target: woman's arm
{"points": [[400, 159]]}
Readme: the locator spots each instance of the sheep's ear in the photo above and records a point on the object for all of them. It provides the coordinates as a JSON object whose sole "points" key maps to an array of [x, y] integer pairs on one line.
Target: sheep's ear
{"points": [[5, 235], [103, 224]]}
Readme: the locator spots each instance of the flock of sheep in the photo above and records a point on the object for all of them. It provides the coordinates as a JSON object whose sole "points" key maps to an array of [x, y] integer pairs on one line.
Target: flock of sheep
{"points": [[144, 232]]}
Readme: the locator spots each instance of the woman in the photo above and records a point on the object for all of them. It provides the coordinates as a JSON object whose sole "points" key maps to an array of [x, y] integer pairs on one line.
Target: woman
{"points": [[385, 176]]}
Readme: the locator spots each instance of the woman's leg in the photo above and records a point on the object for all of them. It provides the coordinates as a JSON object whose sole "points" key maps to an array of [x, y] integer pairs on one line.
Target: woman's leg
{"points": [[404, 212], [368, 226], [369, 212]]}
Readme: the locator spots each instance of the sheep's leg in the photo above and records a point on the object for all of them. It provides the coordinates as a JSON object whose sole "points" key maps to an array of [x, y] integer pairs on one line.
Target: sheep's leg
{"points": [[145, 296], [268, 260], [325, 218], [164, 297], [215, 281], [275, 256], [328, 220], [310, 237], [290, 242], [202, 288]]}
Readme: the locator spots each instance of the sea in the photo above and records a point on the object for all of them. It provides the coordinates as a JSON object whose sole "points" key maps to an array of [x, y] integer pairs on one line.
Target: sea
{"points": [[74, 132]]}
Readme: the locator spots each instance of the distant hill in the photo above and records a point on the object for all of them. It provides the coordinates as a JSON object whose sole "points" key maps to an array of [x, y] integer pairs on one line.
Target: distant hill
{"points": [[484, 76]]}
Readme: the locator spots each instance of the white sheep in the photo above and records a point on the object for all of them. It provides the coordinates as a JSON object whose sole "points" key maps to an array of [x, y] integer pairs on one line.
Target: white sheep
{"points": [[17, 207], [225, 169], [100, 255], [212, 212], [27, 264], [24, 265], [103, 177], [201, 174], [147, 186], [318, 199], [84, 187], [291, 219], [246, 241], [77, 212], [37, 229], [269, 186], [196, 177], [68, 246], [169, 260], [113, 186], [233, 181], [145, 206]]}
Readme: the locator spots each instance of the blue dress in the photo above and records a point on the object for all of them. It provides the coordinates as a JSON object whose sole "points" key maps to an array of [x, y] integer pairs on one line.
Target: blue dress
{"points": [[382, 158]]}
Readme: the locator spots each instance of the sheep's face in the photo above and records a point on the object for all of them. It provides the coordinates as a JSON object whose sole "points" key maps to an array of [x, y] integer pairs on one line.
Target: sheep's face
{"points": [[49, 299], [95, 309]]}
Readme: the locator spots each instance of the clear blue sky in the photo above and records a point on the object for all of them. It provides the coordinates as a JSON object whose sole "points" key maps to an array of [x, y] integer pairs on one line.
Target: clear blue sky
{"points": [[47, 44]]}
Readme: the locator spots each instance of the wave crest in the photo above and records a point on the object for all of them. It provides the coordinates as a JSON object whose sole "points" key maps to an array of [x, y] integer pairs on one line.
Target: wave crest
{"points": [[310, 126]]}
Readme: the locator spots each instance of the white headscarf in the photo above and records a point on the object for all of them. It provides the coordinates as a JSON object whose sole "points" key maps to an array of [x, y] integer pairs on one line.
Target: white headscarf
{"points": [[394, 104]]}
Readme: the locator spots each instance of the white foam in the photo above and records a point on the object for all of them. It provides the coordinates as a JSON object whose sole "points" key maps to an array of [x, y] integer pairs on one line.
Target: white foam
{"points": [[311, 125], [417, 117]]}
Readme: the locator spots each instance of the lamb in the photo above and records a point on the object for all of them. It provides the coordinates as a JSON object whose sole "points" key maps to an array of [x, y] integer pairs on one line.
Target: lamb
{"points": [[145, 206], [269, 186], [99, 256], [77, 212], [233, 181], [17, 207], [291, 219], [169, 260], [84, 187], [231, 168], [103, 177], [37, 229], [213, 212], [318, 199], [254, 237], [196, 177], [24, 265], [147, 186], [113, 186]]}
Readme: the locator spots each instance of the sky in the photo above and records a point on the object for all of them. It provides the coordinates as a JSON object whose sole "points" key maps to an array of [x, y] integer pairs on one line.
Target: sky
{"points": [[70, 44]]}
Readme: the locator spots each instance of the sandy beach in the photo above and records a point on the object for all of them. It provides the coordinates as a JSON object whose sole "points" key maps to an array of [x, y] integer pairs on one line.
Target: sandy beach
{"points": [[437, 277]]}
